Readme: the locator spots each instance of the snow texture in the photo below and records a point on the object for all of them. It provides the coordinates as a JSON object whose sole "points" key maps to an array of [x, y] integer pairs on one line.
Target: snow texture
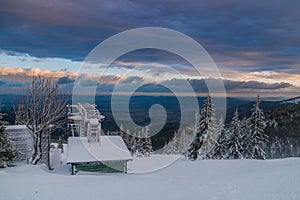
{"points": [[110, 148], [200, 179]]}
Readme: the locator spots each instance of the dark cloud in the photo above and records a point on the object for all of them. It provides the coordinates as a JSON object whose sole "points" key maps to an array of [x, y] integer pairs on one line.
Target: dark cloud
{"points": [[9, 84], [65, 80], [90, 82], [105, 87], [72, 28], [200, 85], [132, 79], [254, 85]]}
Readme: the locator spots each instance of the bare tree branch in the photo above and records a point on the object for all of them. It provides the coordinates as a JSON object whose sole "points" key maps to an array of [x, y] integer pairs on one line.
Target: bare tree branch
{"points": [[41, 109]]}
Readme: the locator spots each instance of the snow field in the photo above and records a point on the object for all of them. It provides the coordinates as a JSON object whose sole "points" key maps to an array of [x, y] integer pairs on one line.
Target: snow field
{"points": [[201, 179]]}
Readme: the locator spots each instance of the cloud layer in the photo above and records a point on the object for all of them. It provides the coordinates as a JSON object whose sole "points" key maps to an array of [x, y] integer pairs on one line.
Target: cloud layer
{"points": [[18, 79], [255, 44]]}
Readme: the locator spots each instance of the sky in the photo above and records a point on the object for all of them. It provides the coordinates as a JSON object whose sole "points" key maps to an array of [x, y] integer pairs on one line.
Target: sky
{"points": [[255, 44]]}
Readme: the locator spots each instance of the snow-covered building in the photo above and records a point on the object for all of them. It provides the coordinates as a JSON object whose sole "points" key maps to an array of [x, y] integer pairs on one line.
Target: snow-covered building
{"points": [[23, 141], [108, 155], [92, 151]]}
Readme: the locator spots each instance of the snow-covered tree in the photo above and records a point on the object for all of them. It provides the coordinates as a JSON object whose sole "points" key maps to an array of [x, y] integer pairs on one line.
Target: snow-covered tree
{"points": [[235, 140], [246, 126], [42, 108], [192, 152], [7, 150], [147, 145], [184, 141], [139, 144], [205, 132], [128, 139], [172, 147], [255, 138], [221, 148], [132, 143], [179, 143]]}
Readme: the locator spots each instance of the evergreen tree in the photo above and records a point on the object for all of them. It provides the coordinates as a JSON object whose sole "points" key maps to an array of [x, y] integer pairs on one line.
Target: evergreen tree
{"points": [[7, 149], [221, 148], [148, 149], [139, 144], [167, 148], [246, 126], [205, 132], [172, 147], [179, 144], [235, 142], [192, 152], [255, 138], [129, 140], [184, 141], [133, 144]]}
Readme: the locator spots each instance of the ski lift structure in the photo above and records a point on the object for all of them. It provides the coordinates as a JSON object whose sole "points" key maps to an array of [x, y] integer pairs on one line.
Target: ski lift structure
{"points": [[84, 120]]}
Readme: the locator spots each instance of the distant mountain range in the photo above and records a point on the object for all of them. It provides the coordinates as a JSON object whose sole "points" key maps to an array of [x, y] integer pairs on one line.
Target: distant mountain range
{"points": [[142, 103], [282, 117], [295, 100]]}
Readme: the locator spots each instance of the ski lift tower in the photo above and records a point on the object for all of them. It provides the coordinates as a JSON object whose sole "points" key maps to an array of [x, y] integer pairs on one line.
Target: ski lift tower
{"points": [[84, 120]]}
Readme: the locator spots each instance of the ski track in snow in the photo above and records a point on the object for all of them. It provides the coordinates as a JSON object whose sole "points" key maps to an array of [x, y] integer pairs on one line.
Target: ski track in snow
{"points": [[201, 179]]}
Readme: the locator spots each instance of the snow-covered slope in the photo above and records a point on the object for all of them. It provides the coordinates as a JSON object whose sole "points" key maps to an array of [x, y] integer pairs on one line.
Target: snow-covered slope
{"points": [[202, 179]]}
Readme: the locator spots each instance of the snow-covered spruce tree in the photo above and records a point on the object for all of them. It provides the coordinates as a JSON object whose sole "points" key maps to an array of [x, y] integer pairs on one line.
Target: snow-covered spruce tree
{"points": [[7, 150], [172, 147], [147, 145], [179, 143], [221, 148], [167, 148], [128, 139], [235, 140], [205, 133], [184, 141], [132, 143], [42, 110], [139, 144], [192, 152], [246, 126], [255, 139]]}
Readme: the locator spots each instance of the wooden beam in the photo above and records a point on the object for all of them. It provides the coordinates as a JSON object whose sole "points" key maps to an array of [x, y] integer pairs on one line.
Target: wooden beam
{"points": [[72, 167]]}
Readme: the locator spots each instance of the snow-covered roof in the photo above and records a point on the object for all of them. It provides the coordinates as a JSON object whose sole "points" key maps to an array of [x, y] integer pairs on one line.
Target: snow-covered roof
{"points": [[110, 148], [15, 127]]}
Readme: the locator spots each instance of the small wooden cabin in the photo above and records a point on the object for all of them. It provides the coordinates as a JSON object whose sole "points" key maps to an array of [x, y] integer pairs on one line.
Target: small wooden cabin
{"points": [[110, 154], [92, 151]]}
